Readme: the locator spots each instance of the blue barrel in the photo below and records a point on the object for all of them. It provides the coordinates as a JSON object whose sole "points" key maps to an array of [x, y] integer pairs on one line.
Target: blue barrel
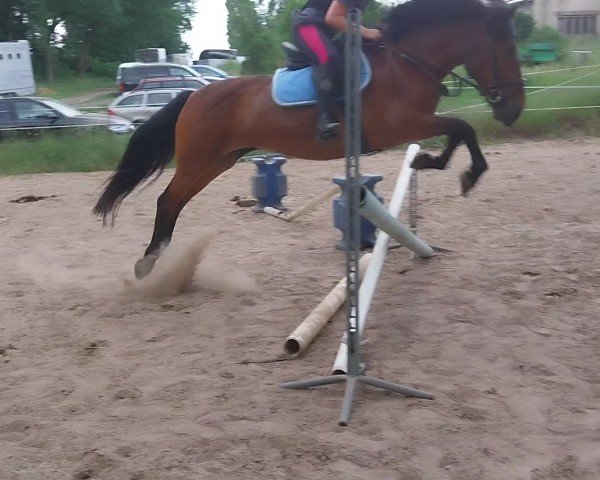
{"points": [[367, 229], [269, 183]]}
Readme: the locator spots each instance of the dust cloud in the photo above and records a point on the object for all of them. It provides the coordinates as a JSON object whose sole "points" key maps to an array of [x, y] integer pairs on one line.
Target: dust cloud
{"points": [[180, 264]]}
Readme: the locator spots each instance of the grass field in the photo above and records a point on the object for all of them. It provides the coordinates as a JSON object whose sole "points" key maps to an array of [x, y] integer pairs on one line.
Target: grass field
{"points": [[70, 86], [61, 152]]}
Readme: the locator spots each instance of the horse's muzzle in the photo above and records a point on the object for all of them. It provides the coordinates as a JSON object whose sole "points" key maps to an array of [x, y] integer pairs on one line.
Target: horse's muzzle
{"points": [[507, 112]]}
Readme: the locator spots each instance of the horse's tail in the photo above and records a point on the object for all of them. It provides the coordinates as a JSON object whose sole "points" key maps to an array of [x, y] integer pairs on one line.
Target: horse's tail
{"points": [[149, 150]]}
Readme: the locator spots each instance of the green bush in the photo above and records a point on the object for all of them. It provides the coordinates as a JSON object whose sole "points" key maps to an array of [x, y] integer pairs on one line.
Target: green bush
{"points": [[548, 34], [103, 69], [524, 25]]}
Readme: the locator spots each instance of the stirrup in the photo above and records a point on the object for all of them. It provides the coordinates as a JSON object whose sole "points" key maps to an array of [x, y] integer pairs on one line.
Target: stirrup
{"points": [[328, 131]]}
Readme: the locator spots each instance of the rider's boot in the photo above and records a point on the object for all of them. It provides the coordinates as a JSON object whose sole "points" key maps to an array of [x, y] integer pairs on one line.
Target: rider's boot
{"points": [[327, 124]]}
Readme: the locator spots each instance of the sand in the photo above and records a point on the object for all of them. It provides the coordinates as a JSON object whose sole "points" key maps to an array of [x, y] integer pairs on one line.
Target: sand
{"points": [[104, 379]]}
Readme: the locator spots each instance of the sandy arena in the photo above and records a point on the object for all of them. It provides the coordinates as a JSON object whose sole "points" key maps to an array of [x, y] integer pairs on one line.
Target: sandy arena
{"points": [[103, 379]]}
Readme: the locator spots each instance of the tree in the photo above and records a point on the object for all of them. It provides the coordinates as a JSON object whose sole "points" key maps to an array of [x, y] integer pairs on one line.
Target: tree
{"points": [[44, 17], [524, 25], [111, 30], [94, 31], [88, 22], [249, 33], [13, 20]]}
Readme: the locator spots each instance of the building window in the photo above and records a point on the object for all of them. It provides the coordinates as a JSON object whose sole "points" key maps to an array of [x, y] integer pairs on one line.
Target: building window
{"points": [[578, 24]]}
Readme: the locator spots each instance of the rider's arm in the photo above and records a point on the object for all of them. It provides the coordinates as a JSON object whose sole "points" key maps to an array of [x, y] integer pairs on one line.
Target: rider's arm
{"points": [[336, 18]]}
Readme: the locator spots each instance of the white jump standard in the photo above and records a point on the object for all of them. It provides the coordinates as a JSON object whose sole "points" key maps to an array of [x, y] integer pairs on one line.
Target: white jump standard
{"points": [[402, 235], [355, 369]]}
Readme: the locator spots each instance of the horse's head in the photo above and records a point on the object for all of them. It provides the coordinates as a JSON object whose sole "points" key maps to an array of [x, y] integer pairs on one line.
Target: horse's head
{"points": [[492, 61], [438, 35]]}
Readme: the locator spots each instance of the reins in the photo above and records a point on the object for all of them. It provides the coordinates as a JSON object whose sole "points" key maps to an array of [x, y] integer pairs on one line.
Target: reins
{"points": [[493, 92]]}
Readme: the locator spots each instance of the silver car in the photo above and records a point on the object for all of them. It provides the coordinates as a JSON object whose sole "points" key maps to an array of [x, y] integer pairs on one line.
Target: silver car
{"points": [[139, 105]]}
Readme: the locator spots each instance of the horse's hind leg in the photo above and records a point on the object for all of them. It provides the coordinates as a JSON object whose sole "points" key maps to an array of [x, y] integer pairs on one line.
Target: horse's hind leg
{"points": [[186, 183]]}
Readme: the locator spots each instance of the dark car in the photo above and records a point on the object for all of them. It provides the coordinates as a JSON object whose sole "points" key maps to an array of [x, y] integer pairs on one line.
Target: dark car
{"points": [[171, 82], [22, 114], [130, 74]]}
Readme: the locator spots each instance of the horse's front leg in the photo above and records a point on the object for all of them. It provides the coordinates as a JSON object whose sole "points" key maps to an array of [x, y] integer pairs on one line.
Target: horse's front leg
{"points": [[425, 160], [458, 131]]}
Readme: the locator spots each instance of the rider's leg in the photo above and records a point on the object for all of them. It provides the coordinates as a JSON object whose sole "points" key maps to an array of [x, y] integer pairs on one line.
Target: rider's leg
{"points": [[327, 123], [315, 43]]}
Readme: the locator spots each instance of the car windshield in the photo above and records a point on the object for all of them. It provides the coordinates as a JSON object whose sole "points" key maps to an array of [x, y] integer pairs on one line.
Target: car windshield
{"points": [[62, 108], [210, 71]]}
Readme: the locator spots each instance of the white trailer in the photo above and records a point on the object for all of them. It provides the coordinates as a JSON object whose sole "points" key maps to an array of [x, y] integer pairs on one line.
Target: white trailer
{"points": [[16, 71], [148, 55]]}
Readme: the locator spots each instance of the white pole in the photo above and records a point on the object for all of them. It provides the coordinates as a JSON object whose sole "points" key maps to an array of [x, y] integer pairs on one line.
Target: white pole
{"points": [[310, 327], [376, 213], [367, 287], [308, 206]]}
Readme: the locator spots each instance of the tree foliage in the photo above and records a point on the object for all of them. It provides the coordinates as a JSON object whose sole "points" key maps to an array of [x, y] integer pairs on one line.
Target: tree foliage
{"points": [[524, 25], [83, 34], [13, 21]]}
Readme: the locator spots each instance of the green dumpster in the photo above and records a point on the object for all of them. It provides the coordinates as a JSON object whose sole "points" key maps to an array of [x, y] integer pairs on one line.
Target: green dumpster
{"points": [[536, 53]]}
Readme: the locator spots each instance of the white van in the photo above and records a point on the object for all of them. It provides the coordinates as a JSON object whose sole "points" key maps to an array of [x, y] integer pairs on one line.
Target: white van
{"points": [[16, 71]]}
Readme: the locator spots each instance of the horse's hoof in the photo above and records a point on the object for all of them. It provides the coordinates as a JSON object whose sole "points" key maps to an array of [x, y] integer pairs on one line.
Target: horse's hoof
{"points": [[467, 181], [144, 266], [422, 161]]}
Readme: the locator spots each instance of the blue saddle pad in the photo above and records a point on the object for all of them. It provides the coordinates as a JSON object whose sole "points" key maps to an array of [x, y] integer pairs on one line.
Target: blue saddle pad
{"points": [[292, 88]]}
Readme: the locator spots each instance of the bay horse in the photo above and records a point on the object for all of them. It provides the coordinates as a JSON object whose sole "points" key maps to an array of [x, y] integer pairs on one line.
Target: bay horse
{"points": [[423, 40]]}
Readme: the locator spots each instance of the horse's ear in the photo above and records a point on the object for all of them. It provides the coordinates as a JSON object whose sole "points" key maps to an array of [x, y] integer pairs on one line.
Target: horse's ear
{"points": [[514, 5], [505, 12]]}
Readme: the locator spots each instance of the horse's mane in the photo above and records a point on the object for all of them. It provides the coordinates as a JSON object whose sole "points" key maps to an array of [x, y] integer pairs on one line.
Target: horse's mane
{"points": [[413, 16]]}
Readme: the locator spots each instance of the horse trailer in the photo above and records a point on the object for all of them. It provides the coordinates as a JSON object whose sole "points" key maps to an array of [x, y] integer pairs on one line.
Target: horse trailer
{"points": [[16, 71]]}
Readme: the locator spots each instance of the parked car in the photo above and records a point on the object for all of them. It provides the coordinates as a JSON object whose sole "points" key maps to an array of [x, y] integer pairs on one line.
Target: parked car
{"points": [[139, 105], [171, 82], [130, 74], [39, 113], [210, 73]]}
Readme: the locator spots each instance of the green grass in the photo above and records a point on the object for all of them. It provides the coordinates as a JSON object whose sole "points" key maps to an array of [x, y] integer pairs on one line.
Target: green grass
{"points": [[69, 86], [61, 152]]}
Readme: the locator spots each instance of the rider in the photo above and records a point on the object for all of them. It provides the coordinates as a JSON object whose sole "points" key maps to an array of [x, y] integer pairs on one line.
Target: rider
{"points": [[314, 27]]}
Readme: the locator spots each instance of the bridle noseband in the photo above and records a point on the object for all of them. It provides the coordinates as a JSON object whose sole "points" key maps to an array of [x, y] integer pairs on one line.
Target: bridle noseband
{"points": [[493, 92]]}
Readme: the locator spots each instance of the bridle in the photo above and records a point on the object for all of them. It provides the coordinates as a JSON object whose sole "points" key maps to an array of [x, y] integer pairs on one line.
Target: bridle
{"points": [[493, 92]]}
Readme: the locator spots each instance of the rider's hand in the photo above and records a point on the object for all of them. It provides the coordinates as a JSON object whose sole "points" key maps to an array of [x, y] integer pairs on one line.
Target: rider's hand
{"points": [[372, 34]]}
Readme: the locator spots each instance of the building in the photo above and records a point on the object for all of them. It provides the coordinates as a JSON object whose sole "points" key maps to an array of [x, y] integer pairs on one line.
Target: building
{"points": [[570, 17]]}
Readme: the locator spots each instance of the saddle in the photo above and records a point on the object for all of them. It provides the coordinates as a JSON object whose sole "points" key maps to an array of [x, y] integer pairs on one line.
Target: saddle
{"points": [[293, 85], [296, 59]]}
